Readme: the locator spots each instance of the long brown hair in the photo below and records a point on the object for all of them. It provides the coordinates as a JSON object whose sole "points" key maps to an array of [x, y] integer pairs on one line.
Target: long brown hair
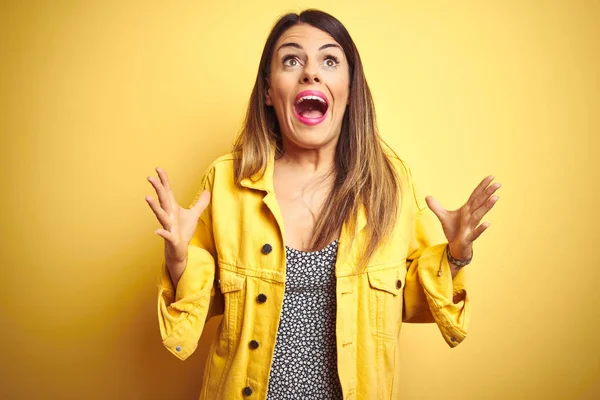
{"points": [[363, 173]]}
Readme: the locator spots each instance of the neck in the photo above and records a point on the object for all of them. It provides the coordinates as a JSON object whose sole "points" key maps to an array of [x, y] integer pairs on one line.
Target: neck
{"points": [[315, 161]]}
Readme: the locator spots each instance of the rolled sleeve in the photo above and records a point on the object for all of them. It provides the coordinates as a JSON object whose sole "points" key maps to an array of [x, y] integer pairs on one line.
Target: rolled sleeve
{"points": [[183, 311], [430, 291]]}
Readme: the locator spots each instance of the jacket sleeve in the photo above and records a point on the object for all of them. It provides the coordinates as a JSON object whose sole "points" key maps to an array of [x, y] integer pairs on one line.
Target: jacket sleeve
{"points": [[430, 293], [183, 311]]}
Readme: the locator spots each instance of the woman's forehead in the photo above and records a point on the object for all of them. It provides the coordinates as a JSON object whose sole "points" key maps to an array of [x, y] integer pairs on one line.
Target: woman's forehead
{"points": [[305, 35]]}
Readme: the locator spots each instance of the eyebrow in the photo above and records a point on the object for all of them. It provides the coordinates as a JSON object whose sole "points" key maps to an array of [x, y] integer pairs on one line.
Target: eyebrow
{"points": [[297, 46]]}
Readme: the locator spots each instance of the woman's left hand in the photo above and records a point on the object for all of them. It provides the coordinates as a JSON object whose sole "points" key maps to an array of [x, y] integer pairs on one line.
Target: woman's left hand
{"points": [[461, 226]]}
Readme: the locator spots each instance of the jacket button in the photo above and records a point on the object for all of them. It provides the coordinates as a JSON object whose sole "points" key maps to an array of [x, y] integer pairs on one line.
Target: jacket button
{"points": [[267, 248], [398, 284], [247, 391], [253, 344], [261, 298]]}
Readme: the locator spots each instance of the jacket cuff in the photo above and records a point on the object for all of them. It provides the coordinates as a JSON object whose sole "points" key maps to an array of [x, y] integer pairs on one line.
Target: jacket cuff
{"points": [[452, 318]]}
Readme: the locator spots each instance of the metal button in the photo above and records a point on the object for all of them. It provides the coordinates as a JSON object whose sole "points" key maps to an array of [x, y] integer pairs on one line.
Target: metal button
{"points": [[253, 344], [398, 284], [247, 391], [178, 348], [267, 248], [453, 339], [261, 298]]}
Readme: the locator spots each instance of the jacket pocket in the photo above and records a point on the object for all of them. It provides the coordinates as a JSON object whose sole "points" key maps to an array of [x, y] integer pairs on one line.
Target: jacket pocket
{"points": [[232, 287], [385, 300]]}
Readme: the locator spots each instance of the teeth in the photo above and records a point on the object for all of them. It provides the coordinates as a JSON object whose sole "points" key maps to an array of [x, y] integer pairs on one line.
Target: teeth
{"points": [[301, 99]]}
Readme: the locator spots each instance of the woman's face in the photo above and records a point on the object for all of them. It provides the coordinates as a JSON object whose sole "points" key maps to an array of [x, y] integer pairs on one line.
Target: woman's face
{"points": [[308, 87]]}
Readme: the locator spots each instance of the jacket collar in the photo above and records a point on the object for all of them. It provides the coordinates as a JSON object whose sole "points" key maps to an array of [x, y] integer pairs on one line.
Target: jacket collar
{"points": [[264, 182], [260, 181]]}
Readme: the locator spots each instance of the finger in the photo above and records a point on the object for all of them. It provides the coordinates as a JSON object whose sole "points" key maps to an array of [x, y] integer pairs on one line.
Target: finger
{"points": [[477, 232], [168, 236], [160, 214], [164, 178], [479, 189], [163, 197], [436, 207], [202, 203], [478, 214], [487, 193]]}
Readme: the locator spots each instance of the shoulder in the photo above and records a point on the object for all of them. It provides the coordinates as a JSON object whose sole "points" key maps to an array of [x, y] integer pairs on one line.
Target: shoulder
{"points": [[220, 167], [217, 176], [406, 180], [400, 166], [223, 162]]}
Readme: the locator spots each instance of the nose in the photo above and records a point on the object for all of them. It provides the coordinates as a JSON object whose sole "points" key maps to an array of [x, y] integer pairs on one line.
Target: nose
{"points": [[310, 74]]}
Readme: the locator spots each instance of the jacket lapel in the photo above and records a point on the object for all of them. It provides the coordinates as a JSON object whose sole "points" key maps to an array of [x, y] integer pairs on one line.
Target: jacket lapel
{"points": [[264, 183]]}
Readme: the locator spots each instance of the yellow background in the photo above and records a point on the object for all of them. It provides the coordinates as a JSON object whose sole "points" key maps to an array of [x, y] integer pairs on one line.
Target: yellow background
{"points": [[94, 95]]}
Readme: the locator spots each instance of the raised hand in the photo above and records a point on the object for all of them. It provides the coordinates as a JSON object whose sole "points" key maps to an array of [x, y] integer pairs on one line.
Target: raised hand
{"points": [[179, 224], [461, 226]]}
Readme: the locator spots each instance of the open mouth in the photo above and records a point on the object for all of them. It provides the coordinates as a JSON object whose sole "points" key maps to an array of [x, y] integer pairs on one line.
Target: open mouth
{"points": [[311, 107]]}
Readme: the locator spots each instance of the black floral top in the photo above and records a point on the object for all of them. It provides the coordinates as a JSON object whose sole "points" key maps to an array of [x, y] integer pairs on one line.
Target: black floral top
{"points": [[305, 359]]}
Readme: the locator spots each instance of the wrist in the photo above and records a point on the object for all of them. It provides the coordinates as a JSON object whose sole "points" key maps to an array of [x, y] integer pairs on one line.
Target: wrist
{"points": [[174, 261], [458, 263], [460, 251]]}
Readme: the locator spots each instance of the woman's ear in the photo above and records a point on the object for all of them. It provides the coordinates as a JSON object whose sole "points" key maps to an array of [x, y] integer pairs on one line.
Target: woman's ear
{"points": [[268, 99]]}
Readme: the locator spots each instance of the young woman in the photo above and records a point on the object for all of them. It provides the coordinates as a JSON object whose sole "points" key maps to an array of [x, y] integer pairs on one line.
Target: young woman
{"points": [[310, 238]]}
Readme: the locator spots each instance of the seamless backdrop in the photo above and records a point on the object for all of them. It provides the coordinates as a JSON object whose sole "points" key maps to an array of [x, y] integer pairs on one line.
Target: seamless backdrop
{"points": [[95, 94]]}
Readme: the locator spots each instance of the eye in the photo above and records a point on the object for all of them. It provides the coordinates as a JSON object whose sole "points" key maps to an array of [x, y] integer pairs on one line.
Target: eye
{"points": [[331, 61], [290, 61]]}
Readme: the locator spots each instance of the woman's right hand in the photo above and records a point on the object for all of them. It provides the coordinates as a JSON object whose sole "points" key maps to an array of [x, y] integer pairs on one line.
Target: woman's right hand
{"points": [[179, 224]]}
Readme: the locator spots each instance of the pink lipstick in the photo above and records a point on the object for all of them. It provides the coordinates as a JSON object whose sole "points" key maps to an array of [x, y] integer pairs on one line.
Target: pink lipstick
{"points": [[311, 107]]}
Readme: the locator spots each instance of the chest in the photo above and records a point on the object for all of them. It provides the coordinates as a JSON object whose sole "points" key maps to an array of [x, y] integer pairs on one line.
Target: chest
{"points": [[300, 201]]}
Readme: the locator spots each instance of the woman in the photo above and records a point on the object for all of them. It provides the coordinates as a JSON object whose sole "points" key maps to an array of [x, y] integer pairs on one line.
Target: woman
{"points": [[310, 237]]}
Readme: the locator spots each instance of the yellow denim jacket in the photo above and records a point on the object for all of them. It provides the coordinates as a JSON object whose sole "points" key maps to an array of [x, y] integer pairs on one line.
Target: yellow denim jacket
{"points": [[236, 267]]}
